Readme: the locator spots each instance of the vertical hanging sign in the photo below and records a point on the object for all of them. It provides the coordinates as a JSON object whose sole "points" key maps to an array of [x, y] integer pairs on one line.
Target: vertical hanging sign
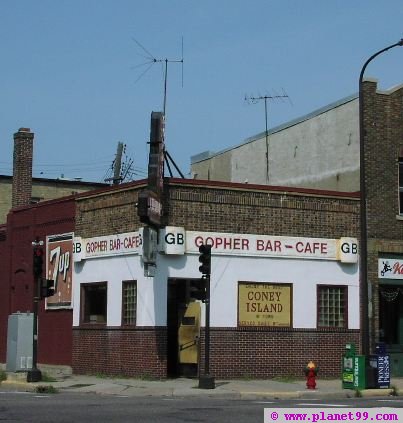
{"points": [[149, 207]]}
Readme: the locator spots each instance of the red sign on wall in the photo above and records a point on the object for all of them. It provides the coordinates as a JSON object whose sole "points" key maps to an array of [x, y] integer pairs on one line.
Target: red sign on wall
{"points": [[59, 268]]}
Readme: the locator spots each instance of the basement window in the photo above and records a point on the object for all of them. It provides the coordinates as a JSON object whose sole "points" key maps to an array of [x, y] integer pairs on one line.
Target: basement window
{"points": [[332, 306], [94, 303]]}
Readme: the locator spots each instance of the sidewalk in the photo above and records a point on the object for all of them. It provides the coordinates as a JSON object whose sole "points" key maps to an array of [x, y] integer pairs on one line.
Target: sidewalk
{"points": [[182, 387]]}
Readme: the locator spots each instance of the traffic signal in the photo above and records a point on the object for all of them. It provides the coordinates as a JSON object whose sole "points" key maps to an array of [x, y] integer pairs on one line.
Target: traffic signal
{"points": [[38, 262], [198, 289], [47, 288], [205, 259]]}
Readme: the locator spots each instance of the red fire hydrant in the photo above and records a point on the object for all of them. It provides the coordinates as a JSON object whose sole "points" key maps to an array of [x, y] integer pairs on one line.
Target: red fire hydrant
{"points": [[311, 371]]}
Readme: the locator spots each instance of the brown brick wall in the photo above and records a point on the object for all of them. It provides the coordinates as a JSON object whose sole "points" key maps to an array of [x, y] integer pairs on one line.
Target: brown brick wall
{"points": [[42, 189], [235, 353], [139, 352], [22, 167], [261, 212], [383, 124]]}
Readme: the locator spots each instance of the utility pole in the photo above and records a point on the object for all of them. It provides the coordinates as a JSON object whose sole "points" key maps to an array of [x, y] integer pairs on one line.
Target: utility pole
{"points": [[35, 375], [117, 165]]}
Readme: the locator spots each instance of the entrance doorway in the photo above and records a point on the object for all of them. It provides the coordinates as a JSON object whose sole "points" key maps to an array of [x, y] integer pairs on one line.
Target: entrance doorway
{"points": [[183, 327], [391, 324]]}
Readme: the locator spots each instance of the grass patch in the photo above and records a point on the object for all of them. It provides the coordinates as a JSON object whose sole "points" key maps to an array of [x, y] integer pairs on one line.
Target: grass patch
{"points": [[47, 378], [3, 376], [46, 389]]}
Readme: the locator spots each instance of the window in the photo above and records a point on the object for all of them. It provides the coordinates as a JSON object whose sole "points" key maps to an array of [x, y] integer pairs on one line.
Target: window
{"points": [[332, 306], [94, 303], [401, 185], [129, 302]]}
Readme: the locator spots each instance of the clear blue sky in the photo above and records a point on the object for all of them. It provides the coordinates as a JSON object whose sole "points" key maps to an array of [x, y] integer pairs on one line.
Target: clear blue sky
{"points": [[70, 69]]}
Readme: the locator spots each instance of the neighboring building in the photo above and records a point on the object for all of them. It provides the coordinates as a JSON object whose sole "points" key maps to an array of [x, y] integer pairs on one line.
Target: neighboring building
{"points": [[319, 150], [42, 188], [283, 292], [383, 129], [53, 223]]}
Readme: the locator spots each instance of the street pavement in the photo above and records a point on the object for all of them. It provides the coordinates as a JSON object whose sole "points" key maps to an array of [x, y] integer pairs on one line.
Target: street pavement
{"points": [[183, 387]]}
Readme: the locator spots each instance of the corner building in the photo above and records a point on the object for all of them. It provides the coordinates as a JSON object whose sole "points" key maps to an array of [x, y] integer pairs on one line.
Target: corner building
{"points": [[284, 281]]}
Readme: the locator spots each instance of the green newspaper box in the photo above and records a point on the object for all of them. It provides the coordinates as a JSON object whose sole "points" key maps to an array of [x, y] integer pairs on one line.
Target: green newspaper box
{"points": [[347, 377]]}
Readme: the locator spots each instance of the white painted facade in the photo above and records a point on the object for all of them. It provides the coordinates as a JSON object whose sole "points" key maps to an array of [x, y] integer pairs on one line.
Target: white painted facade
{"points": [[229, 266]]}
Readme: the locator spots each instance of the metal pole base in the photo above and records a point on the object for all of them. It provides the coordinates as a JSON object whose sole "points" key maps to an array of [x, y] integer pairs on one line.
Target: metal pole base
{"points": [[206, 382], [34, 375]]}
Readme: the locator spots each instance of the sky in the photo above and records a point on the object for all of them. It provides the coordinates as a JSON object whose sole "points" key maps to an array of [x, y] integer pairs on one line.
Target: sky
{"points": [[81, 75]]}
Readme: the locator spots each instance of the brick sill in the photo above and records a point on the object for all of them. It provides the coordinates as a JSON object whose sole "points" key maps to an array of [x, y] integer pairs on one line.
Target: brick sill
{"points": [[399, 217]]}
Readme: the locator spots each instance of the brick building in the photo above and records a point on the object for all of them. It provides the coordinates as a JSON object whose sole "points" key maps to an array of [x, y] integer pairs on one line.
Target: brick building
{"points": [[45, 221], [383, 124], [284, 289]]}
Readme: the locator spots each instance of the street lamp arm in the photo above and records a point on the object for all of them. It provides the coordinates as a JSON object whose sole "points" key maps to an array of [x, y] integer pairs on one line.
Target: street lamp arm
{"points": [[400, 43]]}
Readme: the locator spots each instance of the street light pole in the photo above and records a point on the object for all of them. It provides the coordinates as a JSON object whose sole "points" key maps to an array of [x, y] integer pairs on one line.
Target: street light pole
{"points": [[364, 285]]}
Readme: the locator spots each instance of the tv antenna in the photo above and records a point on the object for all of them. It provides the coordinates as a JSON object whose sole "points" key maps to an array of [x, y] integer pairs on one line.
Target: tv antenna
{"points": [[152, 60], [255, 100]]}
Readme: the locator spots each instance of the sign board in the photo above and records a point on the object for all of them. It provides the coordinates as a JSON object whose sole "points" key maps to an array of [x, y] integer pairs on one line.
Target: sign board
{"points": [[264, 304], [383, 365], [109, 245], [390, 268], [149, 208], [59, 264], [172, 240], [344, 249]]}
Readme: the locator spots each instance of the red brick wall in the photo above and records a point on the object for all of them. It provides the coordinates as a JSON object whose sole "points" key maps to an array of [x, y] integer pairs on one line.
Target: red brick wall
{"points": [[16, 285], [4, 292]]}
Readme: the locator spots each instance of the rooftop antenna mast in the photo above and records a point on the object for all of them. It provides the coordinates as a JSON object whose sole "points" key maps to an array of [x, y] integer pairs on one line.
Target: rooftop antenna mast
{"points": [[151, 61], [256, 99]]}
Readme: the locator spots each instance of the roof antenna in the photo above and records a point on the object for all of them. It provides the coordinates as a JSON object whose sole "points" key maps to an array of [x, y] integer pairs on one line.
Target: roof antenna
{"points": [[151, 61], [256, 99]]}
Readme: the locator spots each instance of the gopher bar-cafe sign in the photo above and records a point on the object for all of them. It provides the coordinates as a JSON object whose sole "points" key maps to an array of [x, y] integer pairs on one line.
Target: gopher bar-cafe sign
{"points": [[110, 245], [174, 240]]}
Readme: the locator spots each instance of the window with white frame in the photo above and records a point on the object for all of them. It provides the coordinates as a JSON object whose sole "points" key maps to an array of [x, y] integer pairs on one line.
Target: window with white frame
{"points": [[332, 306]]}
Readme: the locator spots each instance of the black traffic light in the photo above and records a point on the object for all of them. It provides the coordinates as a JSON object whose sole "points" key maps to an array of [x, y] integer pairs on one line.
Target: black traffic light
{"points": [[198, 289], [205, 259], [47, 288], [38, 262]]}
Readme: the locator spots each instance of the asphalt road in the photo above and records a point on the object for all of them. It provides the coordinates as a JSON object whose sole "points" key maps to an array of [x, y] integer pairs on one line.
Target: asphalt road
{"points": [[77, 408]]}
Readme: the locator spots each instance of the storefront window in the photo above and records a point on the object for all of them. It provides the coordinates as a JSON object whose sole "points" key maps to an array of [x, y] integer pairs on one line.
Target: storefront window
{"points": [[332, 306], [129, 302], [94, 303]]}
